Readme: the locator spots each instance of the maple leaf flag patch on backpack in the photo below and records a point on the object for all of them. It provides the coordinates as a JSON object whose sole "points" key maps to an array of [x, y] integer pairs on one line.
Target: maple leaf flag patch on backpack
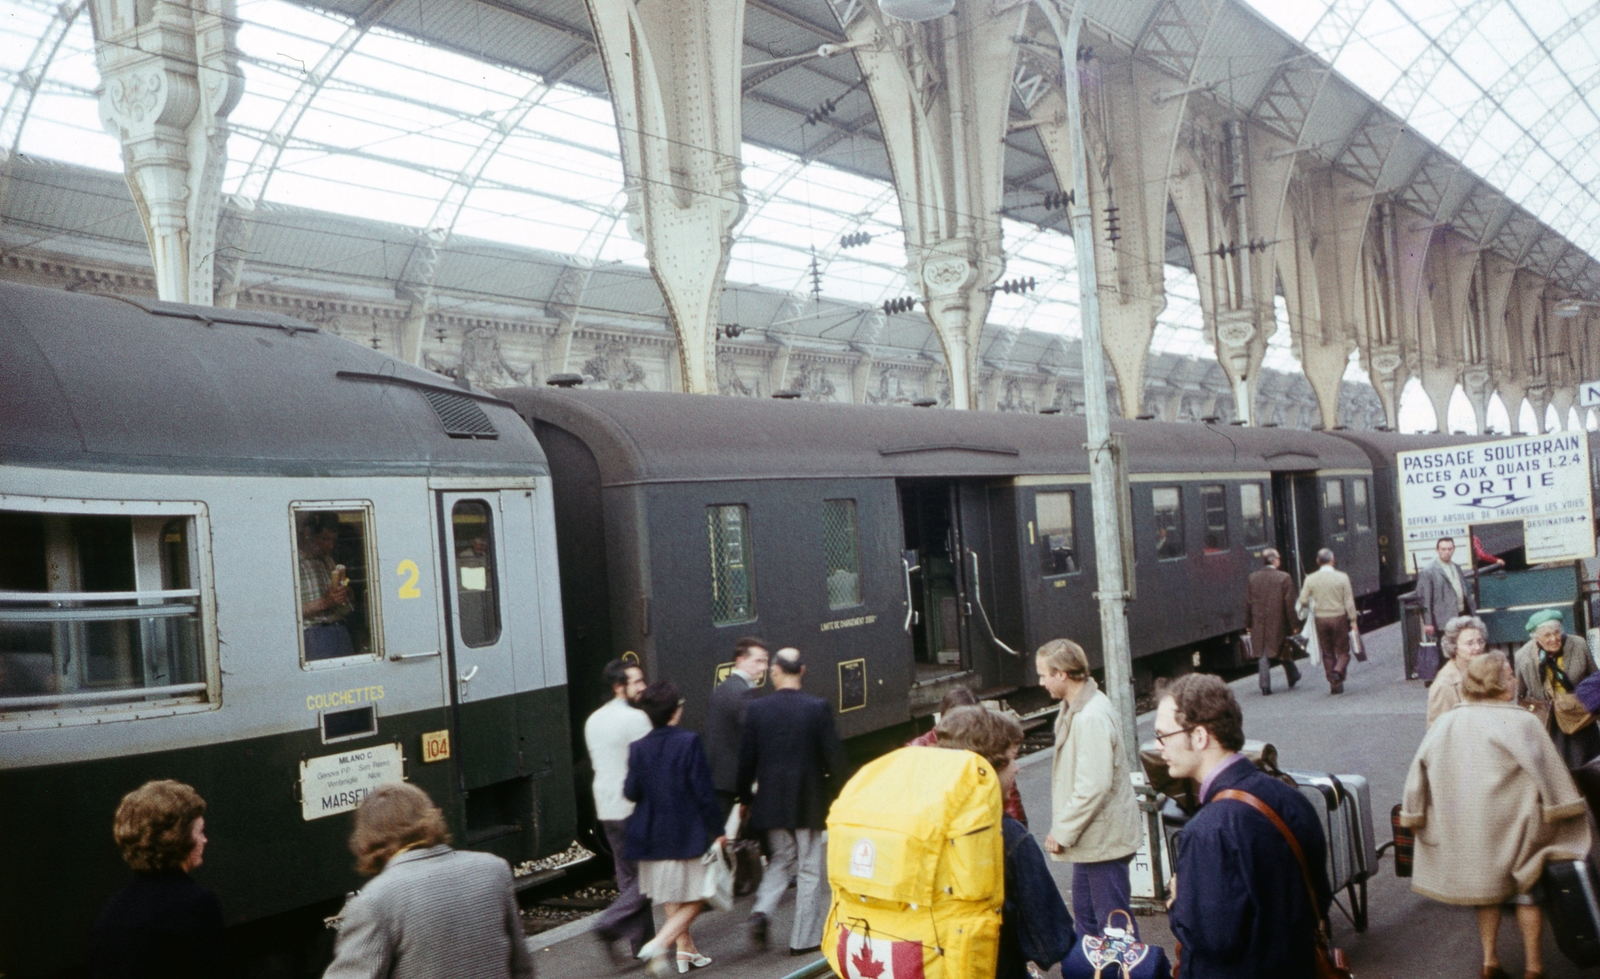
{"points": [[865, 957]]}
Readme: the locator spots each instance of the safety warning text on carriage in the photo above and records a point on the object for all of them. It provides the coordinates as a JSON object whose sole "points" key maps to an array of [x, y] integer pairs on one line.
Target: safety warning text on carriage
{"points": [[1541, 480], [337, 783]]}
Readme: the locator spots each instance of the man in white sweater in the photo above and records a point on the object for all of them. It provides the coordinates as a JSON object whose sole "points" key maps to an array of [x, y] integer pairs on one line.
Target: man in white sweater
{"points": [[608, 732]]}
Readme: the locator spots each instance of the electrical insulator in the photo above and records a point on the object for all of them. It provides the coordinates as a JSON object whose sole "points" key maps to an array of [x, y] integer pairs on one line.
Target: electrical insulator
{"points": [[1056, 200], [902, 305], [855, 240], [1018, 286], [1113, 224]]}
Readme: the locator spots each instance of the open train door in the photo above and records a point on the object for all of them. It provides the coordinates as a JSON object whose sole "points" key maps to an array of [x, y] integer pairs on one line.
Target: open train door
{"points": [[936, 583], [1297, 521]]}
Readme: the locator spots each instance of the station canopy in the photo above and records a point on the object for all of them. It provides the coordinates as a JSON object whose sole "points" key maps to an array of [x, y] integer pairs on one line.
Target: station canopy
{"points": [[365, 120]]}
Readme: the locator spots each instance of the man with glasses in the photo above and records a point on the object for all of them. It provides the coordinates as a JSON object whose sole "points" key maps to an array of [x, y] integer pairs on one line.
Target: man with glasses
{"points": [[1241, 907]]}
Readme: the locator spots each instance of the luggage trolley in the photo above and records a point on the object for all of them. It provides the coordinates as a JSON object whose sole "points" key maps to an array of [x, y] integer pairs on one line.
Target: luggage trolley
{"points": [[1345, 803]]}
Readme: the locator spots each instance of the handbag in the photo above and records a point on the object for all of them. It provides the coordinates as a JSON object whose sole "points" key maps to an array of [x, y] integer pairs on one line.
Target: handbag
{"points": [[717, 889], [1328, 962], [1538, 708], [1428, 661], [745, 852], [1571, 715], [1118, 952], [1356, 649]]}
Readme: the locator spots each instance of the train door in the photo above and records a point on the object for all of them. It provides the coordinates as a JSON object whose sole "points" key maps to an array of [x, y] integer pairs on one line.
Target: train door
{"points": [[930, 511], [1297, 521], [487, 602]]}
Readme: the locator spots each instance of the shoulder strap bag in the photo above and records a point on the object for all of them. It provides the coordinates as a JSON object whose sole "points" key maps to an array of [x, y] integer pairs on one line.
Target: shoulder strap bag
{"points": [[1330, 963]]}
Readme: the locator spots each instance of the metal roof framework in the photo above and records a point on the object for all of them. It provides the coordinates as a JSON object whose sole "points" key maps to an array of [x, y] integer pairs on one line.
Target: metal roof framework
{"points": [[488, 118]]}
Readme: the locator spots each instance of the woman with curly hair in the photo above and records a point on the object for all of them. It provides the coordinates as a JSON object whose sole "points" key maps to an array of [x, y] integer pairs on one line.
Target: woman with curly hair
{"points": [[430, 911], [163, 924]]}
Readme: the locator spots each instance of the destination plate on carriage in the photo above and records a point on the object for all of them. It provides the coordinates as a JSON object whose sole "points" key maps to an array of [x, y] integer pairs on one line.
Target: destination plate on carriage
{"points": [[337, 783]]}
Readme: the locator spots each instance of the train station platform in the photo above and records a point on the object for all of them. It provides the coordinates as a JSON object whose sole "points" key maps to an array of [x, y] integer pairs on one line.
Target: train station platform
{"points": [[1372, 729]]}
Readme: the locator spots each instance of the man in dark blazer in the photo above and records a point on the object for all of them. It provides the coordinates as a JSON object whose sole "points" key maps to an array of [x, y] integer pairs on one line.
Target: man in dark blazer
{"points": [[1269, 618], [791, 765], [725, 716], [1242, 907]]}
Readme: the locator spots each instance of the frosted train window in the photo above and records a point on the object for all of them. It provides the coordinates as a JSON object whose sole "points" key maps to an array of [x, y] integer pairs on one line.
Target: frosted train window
{"points": [[336, 603], [1214, 501], [841, 551], [1167, 502], [1056, 535], [732, 570], [98, 611], [1333, 505], [477, 587], [1252, 515], [1358, 504]]}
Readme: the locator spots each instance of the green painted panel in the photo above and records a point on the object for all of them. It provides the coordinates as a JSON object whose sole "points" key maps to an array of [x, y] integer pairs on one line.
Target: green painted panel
{"points": [[263, 857]]}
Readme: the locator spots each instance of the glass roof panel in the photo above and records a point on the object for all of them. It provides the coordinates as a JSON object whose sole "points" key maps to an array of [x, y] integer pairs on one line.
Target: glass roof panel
{"points": [[1528, 67]]}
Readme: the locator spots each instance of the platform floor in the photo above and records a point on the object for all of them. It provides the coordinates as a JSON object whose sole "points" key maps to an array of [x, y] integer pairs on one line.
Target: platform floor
{"points": [[1372, 729]]}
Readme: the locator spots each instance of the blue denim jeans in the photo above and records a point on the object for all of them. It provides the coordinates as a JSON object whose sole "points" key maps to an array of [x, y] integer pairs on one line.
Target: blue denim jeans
{"points": [[1097, 890]]}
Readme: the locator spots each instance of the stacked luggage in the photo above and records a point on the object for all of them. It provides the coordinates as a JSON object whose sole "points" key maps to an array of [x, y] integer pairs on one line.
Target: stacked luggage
{"points": [[1345, 804]]}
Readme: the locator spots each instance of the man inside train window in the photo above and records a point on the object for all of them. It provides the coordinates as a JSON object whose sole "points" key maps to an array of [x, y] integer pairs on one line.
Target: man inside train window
{"points": [[327, 600]]}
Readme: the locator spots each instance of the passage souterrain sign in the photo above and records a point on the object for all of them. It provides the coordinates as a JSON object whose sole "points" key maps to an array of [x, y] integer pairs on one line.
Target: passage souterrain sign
{"points": [[1541, 480]]}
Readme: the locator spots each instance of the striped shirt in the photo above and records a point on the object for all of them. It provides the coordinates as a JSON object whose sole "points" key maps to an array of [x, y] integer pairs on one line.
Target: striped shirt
{"points": [[316, 577]]}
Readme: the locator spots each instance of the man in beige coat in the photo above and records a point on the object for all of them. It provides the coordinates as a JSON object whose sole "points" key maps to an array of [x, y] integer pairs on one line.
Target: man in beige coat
{"points": [[1094, 819], [1491, 802], [1328, 594]]}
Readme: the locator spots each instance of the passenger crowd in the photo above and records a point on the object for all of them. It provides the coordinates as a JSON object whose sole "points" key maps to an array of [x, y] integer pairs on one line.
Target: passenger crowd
{"points": [[1489, 797]]}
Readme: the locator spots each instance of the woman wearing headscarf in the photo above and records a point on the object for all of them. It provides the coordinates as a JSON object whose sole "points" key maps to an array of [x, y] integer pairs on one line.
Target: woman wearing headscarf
{"points": [[429, 911], [675, 820], [163, 925], [1491, 801], [1463, 638], [1549, 669]]}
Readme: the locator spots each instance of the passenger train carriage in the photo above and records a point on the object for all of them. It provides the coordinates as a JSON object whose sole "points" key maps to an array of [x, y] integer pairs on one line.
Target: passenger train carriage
{"points": [[242, 553], [907, 551], [172, 476]]}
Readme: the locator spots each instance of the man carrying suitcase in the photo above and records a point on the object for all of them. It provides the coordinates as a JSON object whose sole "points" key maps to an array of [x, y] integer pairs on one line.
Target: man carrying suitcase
{"points": [[1269, 618]]}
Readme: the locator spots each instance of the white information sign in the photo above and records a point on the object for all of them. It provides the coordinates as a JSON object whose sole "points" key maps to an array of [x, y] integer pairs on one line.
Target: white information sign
{"points": [[1589, 394], [1542, 480], [337, 783]]}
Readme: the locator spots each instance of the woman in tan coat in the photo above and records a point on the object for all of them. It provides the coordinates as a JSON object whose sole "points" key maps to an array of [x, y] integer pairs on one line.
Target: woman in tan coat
{"points": [[1491, 801], [1094, 819], [1463, 638]]}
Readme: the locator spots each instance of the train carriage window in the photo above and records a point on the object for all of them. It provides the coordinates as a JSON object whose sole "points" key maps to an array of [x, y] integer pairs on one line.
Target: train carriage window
{"points": [[1056, 534], [732, 568], [1214, 501], [1253, 515], [1333, 505], [841, 550], [1358, 504], [1167, 502], [334, 598], [477, 584], [98, 612]]}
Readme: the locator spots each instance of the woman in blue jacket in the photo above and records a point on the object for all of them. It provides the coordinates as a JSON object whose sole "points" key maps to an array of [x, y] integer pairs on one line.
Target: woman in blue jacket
{"points": [[676, 818]]}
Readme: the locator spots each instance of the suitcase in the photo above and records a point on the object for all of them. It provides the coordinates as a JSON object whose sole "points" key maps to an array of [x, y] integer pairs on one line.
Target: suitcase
{"points": [[1570, 904], [1345, 804]]}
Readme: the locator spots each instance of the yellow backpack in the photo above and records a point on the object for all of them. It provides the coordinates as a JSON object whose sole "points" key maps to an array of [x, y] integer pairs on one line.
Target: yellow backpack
{"points": [[916, 859]]}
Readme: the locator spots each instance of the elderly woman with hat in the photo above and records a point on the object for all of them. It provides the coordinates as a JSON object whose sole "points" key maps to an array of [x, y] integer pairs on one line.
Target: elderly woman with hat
{"points": [[1549, 669], [1491, 802]]}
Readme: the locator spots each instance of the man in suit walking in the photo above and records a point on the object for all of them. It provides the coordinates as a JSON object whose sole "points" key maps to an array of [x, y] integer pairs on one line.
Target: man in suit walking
{"points": [[791, 765], [725, 717], [1328, 593], [1269, 618], [1442, 592]]}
